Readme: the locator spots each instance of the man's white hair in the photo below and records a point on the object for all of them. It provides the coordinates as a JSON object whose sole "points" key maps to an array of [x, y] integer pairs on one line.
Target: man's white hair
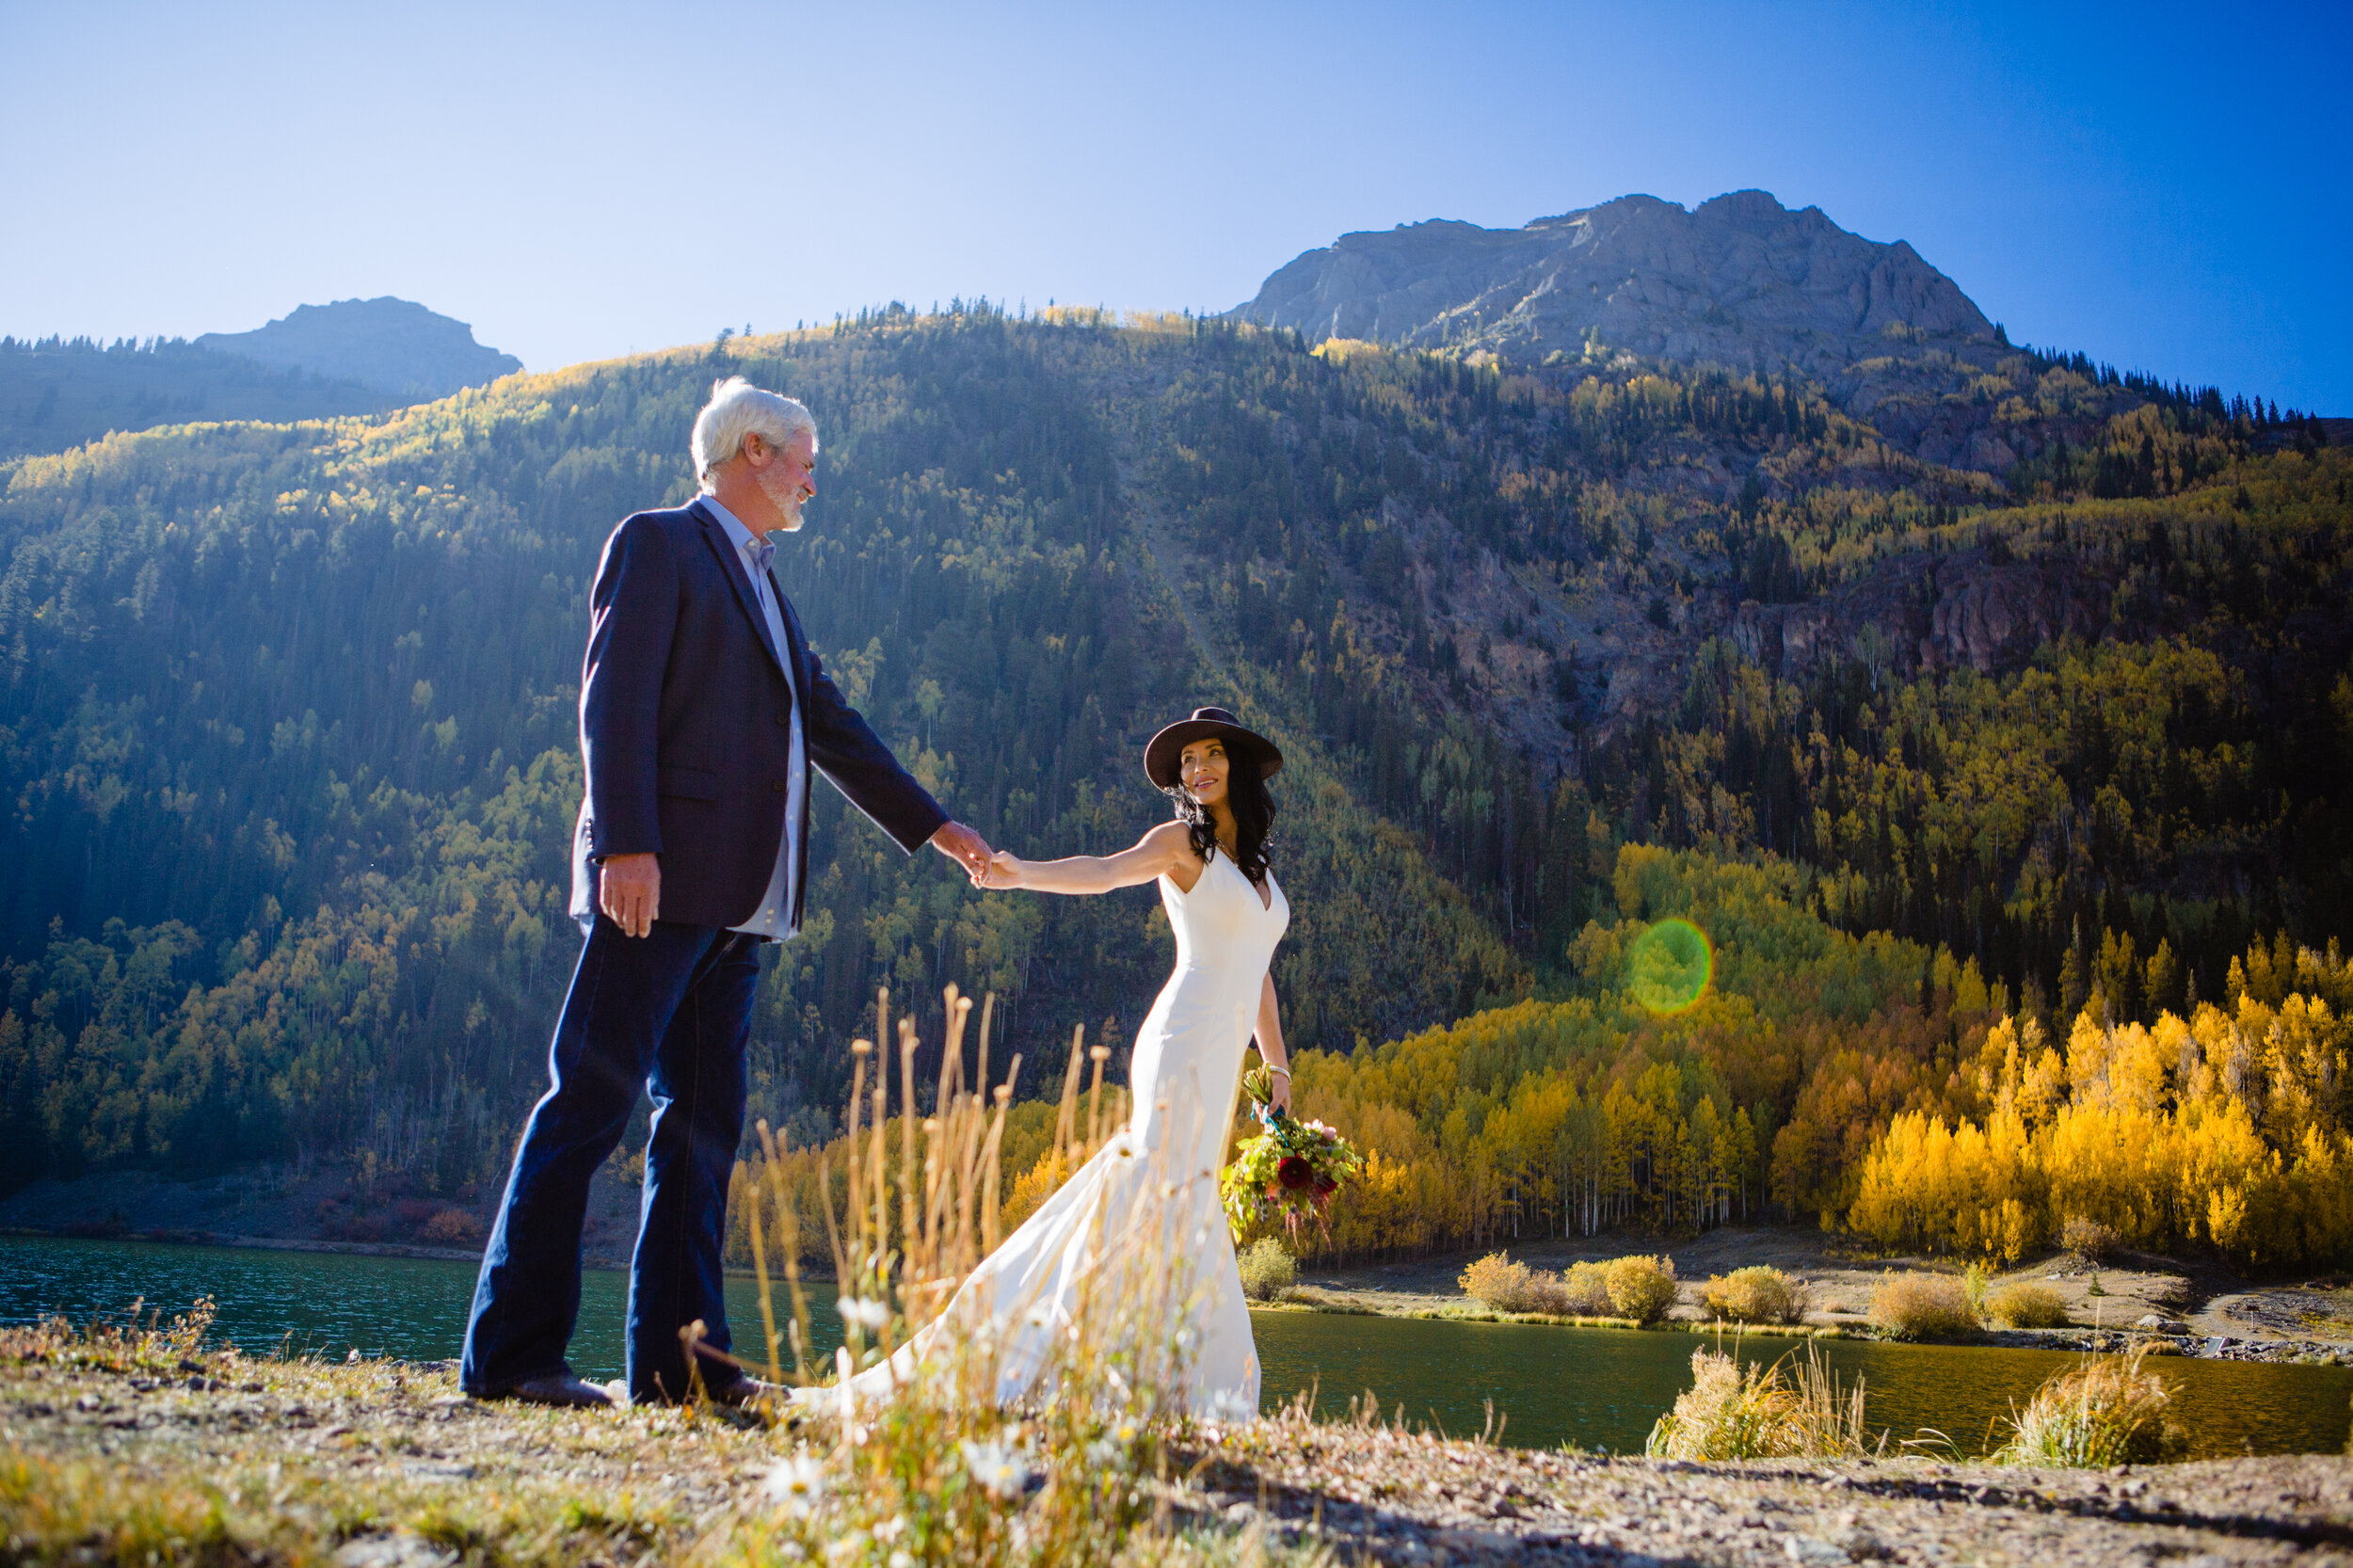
{"points": [[737, 408]]}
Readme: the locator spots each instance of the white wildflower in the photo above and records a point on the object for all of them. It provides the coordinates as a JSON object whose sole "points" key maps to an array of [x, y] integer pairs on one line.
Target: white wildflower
{"points": [[847, 1547], [797, 1485], [860, 1313], [845, 1398], [999, 1468], [1229, 1405], [1113, 1451]]}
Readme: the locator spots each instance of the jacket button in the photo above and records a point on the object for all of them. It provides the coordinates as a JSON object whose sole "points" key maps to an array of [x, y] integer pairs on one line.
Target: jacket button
{"points": [[776, 788], [783, 720]]}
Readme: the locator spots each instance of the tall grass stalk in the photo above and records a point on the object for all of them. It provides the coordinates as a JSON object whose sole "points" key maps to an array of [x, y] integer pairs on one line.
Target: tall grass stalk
{"points": [[1790, 1409], [2105, 1410], [990, 1447]]}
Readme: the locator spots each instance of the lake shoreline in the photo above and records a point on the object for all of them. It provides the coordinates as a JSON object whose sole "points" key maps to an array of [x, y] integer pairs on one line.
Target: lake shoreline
{"points": [[2086, 1340], [2203, 1309], [2241, 1324]]}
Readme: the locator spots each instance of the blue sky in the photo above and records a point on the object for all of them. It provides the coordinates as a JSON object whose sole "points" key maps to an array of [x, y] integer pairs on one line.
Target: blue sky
{"points": [[2164, 188]]}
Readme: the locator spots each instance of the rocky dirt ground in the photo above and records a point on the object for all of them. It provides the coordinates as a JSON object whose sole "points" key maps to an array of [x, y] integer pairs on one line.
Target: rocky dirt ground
{"points": [[387, 1465], [2198, 1310], [1389, 1496]]}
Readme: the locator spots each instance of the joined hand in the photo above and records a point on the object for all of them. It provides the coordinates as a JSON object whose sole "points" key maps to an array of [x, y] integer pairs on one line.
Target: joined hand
{"points": [[965, 848]]}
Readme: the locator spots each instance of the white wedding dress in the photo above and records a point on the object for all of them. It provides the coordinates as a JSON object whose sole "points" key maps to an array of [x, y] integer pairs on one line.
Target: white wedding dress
{"points": [[1183, 1080]]}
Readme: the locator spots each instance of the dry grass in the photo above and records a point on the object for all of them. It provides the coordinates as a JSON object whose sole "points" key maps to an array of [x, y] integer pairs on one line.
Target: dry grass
{"points": [[941, 1471], [1640, 1288], [2106, 1410], [2090, 1239], [1585, 1290], [1923, 1307], [1635, 1289], [1503, 1286], [1753, 1295], [1269, 1271], [1788, 1410], [287, 1463], [2027, 1305], [1510, 1287], [131, 1446]]}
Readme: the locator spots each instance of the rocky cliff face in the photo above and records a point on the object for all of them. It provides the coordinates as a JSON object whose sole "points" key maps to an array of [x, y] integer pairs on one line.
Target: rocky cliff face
{"points": [[1741, 280], [393, 345], [1916, 614]]}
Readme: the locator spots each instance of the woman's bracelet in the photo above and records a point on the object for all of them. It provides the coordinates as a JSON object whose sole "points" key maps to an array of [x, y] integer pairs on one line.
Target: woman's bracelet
{"points": [[1285, 1072]]}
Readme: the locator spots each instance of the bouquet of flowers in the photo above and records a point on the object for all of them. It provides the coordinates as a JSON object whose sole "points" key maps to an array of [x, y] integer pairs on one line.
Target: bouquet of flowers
{"points": [[1291, 1169]]}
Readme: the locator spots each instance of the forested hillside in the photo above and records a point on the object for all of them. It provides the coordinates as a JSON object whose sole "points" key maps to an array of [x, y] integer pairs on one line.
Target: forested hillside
{"points": [[353, 357], [288, 724], [57, 393]]}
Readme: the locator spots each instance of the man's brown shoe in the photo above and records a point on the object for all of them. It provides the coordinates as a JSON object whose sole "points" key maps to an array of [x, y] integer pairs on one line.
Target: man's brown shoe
{"points": [[559, 1388]]}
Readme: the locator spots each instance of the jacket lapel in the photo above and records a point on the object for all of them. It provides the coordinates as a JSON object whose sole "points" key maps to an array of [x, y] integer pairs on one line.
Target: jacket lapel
{"points": [[796, 650], [739, 578]]}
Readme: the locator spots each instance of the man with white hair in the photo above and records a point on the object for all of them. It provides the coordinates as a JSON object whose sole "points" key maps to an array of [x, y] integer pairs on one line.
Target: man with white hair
{"points": [[702, 708]]}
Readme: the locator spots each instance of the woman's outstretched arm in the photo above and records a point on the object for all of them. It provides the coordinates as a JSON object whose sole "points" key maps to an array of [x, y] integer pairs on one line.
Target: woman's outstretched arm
{"points": [[1166, 850], [1271, 1049]]}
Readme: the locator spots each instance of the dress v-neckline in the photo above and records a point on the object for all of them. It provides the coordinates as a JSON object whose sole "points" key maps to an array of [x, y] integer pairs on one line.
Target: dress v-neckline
{"points": [[1265, 900]]}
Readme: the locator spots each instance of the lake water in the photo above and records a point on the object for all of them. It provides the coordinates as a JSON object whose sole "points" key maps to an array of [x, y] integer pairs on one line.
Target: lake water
{"points": [[1600, 1388]]}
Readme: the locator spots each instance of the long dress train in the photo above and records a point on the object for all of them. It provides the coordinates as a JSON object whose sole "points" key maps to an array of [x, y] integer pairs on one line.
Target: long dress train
{"points": [[1183, 1080]]}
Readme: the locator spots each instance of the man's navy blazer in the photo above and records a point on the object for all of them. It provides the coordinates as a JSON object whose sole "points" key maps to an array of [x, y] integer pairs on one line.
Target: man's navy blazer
{"points": [[685, 732]]}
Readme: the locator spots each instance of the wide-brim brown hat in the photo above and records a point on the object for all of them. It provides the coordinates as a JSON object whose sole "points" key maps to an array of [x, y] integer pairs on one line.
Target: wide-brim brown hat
{"points": [[1161, 755]]}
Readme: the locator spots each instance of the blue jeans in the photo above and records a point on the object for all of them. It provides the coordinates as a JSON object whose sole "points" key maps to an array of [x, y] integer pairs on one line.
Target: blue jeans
{"points": [[669, 1012]]}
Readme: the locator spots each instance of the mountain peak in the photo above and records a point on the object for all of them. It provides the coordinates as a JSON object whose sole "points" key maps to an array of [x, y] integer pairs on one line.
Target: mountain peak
{"points": [[393, 345], [1739, 279]]}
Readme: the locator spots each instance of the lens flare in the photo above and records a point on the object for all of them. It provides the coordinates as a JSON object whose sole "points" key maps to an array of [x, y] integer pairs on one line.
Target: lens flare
{"points": [[1669, 967]]}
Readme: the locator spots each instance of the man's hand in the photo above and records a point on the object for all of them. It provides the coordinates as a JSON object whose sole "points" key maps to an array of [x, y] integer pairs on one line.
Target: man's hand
{"points": [[630, 892], [965, 847]]}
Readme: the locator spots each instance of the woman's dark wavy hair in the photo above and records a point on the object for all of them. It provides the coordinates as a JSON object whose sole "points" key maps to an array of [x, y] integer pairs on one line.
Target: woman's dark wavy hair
{"points": [[1252, 806]]}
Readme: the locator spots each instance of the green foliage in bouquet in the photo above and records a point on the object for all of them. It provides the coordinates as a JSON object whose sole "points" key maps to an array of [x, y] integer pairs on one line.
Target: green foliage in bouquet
{"points": [[1291, 1169]]}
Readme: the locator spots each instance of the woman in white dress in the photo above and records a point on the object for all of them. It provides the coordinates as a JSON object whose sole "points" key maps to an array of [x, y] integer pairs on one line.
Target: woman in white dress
{"points": [[1228, 915]]}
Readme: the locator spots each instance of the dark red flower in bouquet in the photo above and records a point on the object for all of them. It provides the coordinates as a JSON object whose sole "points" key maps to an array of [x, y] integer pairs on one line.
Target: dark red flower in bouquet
{"points": [[1295, 1173], [1325, 1187]]}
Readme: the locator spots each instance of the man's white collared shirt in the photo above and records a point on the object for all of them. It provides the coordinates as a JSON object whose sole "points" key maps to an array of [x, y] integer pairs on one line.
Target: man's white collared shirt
{"points": [[774, 914]]}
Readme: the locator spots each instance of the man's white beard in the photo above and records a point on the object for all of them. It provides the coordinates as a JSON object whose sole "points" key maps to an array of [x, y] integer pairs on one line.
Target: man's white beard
{"points": [[786, 502]]}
